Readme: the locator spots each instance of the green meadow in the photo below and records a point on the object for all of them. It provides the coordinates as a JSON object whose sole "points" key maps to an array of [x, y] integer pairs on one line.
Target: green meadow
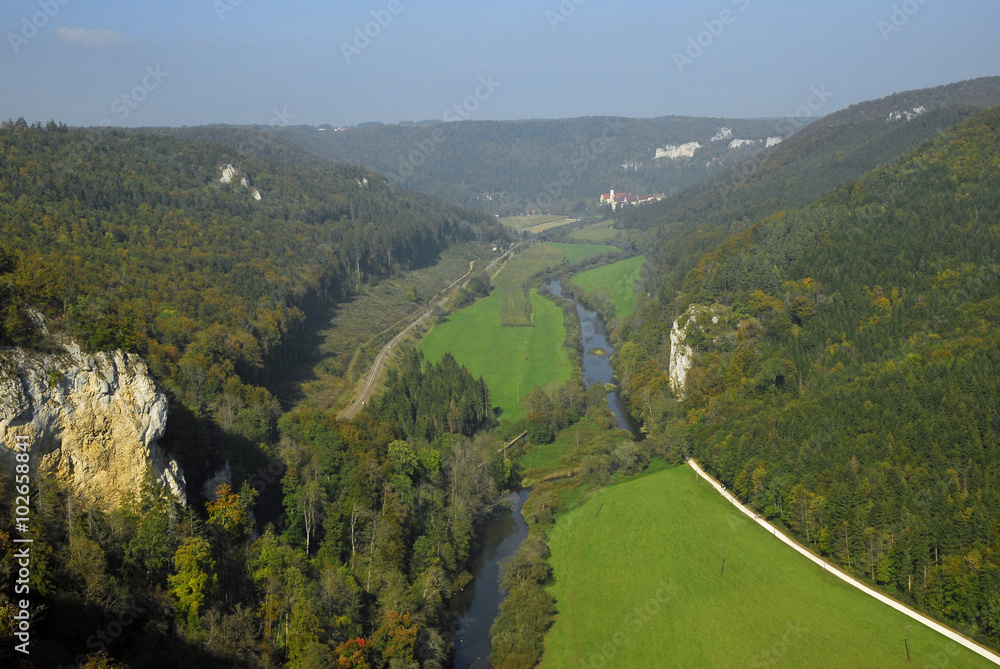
{"points": [[476, 339], [639, 581], [596, 233], [577, 252], [523, 222], [617, 279], [512, 282]]}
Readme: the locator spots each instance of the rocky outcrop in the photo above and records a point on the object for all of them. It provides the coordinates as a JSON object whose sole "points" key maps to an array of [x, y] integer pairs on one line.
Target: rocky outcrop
{"points": [[672, 152], [229, 174], [681, 359], [711, 323], [93, 421]]}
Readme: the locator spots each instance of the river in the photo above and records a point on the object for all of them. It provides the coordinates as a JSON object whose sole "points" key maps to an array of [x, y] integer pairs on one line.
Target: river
{"points": [[596, 367], [505, 531], [502, 535]]}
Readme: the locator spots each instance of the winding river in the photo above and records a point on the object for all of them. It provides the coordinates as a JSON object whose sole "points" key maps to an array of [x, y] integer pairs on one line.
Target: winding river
{"points": [[505, 531], [597, 368]]}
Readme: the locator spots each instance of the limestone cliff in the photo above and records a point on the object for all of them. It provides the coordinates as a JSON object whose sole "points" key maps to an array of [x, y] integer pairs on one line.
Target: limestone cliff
{"points": [[681, 359], [93, 421], [708, 324]]}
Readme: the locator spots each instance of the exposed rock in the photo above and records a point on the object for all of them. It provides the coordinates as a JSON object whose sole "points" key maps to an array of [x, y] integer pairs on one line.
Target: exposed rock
{"points": [[211, 486], [713, 322], [228, 174], [681, 358], [675, 152], [907, 114], [740, 143], [723, 134], [773, 141], [93, 421]]}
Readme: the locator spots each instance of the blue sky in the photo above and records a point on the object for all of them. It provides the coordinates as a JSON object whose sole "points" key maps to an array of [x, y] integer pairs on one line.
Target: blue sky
{"points": [[192, 62]]}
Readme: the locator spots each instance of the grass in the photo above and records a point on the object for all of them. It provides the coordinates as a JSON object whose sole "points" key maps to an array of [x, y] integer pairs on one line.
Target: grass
{"points": [[562, 454], [617, 279], [577, 252], [496, 353], [533, 223], [316, 376], [637, 579], [513, 282], [596, 233]]}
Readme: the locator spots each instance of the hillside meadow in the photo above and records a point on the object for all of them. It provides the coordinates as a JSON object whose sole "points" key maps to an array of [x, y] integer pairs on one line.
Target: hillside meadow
{"points": [[512, 361], [639, 581], [615, 281]]}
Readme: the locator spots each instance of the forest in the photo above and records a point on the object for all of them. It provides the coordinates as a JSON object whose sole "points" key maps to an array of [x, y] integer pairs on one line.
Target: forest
{"points": [[563, 165], [348, 548], [846, 385]]}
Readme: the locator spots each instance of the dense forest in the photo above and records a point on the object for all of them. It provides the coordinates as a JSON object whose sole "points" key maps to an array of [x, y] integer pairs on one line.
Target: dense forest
{"points": [[561, 165], [350, 543], [846, 381]]}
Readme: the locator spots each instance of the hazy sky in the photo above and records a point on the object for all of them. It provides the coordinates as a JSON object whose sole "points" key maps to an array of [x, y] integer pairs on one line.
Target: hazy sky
{"points": [[192, 62]]}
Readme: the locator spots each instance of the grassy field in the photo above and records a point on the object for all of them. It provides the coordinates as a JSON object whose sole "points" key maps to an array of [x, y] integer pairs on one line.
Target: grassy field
{"points": [[637, 579], [497, 354], [536, 223], [618, 279], [316, 375], [596, 233], [577, 252], [512, 282], [561, 454]]}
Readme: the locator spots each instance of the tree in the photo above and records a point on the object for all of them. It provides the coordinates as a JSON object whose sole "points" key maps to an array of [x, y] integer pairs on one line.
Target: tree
{"points": [[194, 580]]}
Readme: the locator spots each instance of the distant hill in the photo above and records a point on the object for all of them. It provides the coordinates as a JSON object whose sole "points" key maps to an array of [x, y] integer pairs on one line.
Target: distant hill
{"points": [[556, 166], [836, 148], [204, 259], [837, 364]]}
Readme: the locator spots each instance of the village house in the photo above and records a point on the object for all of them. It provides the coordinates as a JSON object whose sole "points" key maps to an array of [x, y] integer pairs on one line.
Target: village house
{"points": [[620, 199]]}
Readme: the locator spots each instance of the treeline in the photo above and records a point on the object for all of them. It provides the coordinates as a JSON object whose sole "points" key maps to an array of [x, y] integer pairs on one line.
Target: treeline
{"points": [[124, 240], [427, 401], [808, 165], [822, 155], [846, 383], [560, 165], [357, 571]]}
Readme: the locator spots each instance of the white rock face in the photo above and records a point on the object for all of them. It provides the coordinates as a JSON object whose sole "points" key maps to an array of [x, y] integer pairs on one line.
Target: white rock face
{"points": [[675, 152], [738, 143], [723, 135], [228, 174], [681, 359], [909, 115], [773, 141], [93, 421]]}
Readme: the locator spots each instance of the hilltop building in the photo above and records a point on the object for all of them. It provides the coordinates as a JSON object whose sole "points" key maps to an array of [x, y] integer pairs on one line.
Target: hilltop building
{"points": [[621, 199]]}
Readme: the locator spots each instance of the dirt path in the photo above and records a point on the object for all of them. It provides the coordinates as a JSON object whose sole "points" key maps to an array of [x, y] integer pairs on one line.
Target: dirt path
{"points": [[902, 608], [375, 371]]}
